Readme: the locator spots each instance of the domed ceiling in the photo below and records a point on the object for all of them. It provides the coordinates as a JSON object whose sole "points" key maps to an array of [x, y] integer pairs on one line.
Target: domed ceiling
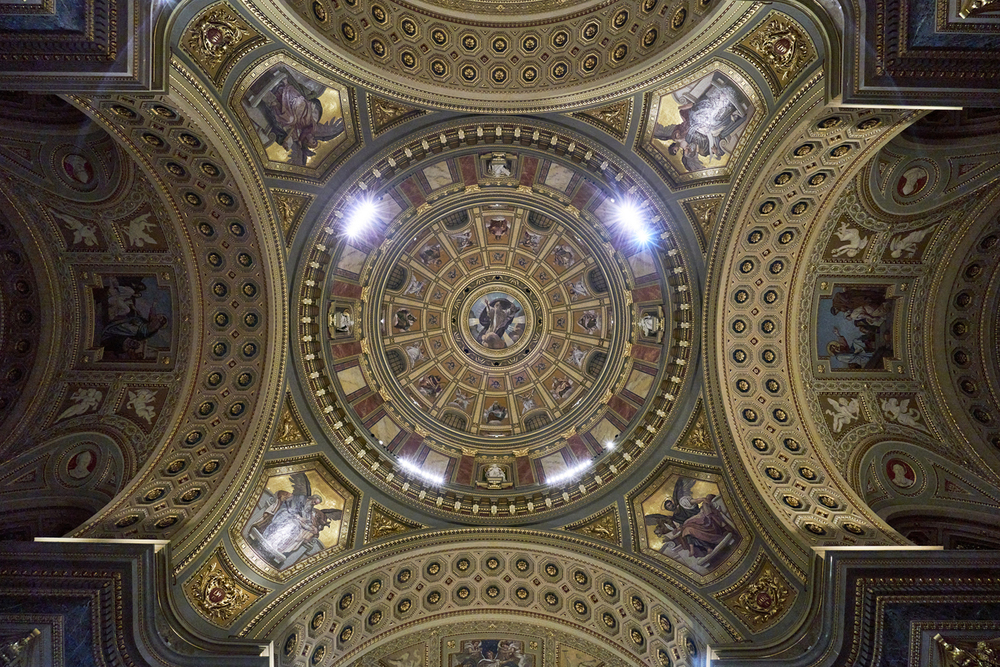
{"points": [[498, 324], [526, 55], [429, 332]]}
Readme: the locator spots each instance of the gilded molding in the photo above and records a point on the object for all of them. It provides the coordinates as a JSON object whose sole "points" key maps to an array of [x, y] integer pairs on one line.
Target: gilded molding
{"points": [[383, 522], [604, 525], [615, 119], [217, 38], [218, 592], [779, 48], [291, 207], [291, 431], [761, 597], [385, 114]]}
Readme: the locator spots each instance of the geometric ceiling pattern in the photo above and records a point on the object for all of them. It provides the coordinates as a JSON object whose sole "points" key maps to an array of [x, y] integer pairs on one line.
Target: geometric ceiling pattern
{"points": [[506, 334]]}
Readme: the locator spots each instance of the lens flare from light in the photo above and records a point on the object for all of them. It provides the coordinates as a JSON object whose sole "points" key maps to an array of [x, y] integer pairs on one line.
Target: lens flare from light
{"points": [[569, 474], [361, 217], [631, 216], [416, 470]]}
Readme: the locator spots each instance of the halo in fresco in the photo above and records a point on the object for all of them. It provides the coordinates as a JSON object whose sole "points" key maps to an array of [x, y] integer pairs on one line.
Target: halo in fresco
{"points": [[303, 511], [685, 521], [133, 320], [497, 320]]}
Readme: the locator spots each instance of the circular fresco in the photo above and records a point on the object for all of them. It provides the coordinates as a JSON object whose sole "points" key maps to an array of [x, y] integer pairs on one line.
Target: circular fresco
{"points": [[494, 334], [495, 321], [498, 322]]}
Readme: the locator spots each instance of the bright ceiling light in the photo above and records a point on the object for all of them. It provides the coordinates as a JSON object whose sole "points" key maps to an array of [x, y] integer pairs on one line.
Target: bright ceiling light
{"points": [[568, 474], [631, 217], [361, 217], [416, 470]]}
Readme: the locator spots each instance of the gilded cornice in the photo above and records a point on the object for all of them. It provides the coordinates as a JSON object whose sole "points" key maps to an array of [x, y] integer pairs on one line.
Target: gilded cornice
{"points": [[392, 165], [715, 30]]}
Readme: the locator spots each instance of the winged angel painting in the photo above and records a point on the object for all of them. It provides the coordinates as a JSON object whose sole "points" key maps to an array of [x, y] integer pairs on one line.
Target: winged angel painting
{"points": [[691, 525], [298, 515], [298, 120], [698, 126]]}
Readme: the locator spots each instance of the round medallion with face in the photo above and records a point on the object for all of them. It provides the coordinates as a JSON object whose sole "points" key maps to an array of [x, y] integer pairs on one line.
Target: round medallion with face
{"points": [[497, 320]]}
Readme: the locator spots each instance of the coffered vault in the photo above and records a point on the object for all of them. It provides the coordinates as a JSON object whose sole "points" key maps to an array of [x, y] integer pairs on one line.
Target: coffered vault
{"points": [[523, 333]]}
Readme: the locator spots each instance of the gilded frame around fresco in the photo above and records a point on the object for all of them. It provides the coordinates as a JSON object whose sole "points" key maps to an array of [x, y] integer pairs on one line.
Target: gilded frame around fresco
{"points": [[655, 484], [348, 110], [326, 470]]}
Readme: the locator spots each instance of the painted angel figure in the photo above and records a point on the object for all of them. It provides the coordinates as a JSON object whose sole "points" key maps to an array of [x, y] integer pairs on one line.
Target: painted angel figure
{"points": [[844, 412], [900, 411], [291, 523], [460, 400], [576, 357], [82, 231], [138, 231], [908, 243], [291, 115], [710, 112], [697, 528], [852, 242], [84, 400]]}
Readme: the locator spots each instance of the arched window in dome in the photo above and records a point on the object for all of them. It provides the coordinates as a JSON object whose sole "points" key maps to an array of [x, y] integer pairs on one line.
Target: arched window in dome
{"points": [[598, 283], [537, 421], [539, 221], [456, 220], [455, 420], [596, 362], [396, 361], [397, 278]]}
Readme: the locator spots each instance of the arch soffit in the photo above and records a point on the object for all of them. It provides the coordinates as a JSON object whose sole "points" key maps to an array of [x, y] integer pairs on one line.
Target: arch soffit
{"points": [[190, 117]]}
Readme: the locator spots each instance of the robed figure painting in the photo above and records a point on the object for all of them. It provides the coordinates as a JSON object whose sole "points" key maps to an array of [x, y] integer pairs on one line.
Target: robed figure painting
{"points": [[688, 521], [298, 120], [297, 515]]}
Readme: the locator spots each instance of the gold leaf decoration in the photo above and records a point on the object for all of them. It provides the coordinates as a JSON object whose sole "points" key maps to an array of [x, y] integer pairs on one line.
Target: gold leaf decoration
{"points": [[614, 118], [697, 440], [780, 48], [217, 593], [217, 38], [604, 525], [384, 114], [760, 597], [291, 430], [703, 211], [290, 206], [968, 653], [383, 522]]}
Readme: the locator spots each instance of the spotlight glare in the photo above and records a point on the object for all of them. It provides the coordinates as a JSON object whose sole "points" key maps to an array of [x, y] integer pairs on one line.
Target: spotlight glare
{"points": [[631, 217], [361, 217], [416, 470], [568, 474]]}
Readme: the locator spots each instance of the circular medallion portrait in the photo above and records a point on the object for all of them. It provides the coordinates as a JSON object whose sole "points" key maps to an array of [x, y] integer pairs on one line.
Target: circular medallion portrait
{"points": [[81, 465], [912, 181], [900, 474], [78, 170], [497, 320]]}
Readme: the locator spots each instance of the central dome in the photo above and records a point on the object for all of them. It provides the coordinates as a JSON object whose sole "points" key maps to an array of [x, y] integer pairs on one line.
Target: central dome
{"points": [[497, 323], [486, 330]]}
